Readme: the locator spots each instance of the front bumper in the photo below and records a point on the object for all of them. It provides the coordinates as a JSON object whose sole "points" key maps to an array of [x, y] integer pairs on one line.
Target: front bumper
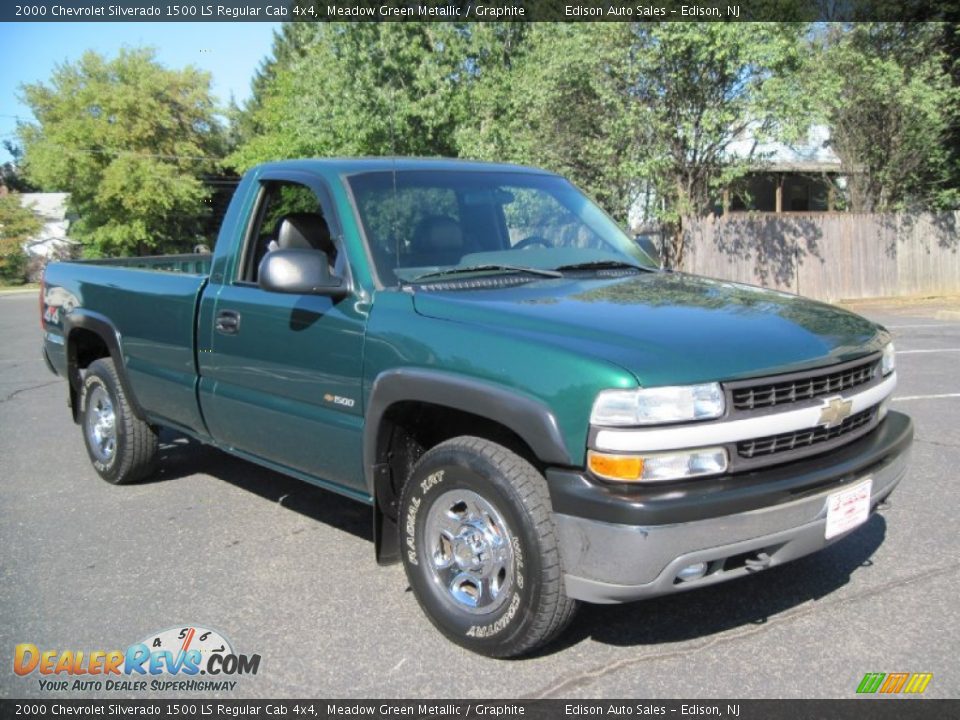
{"points": [[736, 525]]}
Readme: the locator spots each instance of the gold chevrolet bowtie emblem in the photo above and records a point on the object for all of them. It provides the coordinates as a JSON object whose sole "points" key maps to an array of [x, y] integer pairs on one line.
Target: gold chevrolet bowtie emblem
{"points": [[834, 411]]}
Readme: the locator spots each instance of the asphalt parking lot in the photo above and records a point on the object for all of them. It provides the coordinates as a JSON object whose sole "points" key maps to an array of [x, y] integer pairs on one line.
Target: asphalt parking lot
{"points": [[286, 571]]}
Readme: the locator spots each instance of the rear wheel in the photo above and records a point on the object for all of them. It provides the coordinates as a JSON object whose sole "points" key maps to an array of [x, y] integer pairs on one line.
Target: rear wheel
{"points": [[479, 548], [122, 447]]}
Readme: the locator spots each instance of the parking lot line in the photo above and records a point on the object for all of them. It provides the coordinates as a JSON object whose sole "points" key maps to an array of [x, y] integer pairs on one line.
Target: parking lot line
{"points": [[916, 352], [927, 325], [926, 397]]}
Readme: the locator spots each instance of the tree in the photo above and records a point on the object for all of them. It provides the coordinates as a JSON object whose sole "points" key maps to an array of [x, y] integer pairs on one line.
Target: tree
{"points": [[289, 44], [130, 141], [11, 175], [550, 102], [17, 225], [619, 106], [374, 89], [952, 68], [357, 89], [893, 109], [700, 88]]}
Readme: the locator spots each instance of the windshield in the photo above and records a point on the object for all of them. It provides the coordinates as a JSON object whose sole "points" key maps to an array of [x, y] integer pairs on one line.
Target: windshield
{"points": [[419, 223]]}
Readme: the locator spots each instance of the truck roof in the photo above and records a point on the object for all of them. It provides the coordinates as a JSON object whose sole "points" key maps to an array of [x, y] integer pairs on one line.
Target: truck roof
{"points": [[374, 164]]}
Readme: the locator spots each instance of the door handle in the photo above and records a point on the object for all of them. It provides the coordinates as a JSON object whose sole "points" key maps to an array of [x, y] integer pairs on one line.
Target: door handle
{"points": [[228, 322]]}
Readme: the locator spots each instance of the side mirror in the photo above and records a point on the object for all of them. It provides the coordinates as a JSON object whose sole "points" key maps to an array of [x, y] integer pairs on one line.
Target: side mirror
{"points": [[299, 272], [648, 245]]}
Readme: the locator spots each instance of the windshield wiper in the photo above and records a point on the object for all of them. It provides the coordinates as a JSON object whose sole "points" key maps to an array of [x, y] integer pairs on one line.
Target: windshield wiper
{"points": [[604, 265], [484, 268]]}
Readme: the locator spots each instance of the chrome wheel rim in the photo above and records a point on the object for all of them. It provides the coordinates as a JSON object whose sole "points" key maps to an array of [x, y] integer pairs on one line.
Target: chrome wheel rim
{"points": [[468, 552], [101, 425]]}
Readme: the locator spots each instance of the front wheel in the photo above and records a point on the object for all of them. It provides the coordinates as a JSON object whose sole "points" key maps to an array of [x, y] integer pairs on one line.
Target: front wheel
{"points": [[479, 548], [121, 447]]}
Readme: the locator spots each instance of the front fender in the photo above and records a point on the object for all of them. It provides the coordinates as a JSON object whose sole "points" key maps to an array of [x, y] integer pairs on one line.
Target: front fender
{"points": [[528, 418], [531, 420]]}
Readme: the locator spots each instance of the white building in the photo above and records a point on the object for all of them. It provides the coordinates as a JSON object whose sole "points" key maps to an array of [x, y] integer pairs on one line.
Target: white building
{"points": [[51, 241]]}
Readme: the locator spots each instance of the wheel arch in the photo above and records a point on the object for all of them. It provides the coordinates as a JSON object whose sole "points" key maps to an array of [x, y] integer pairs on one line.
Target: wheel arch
{"points": [[91, 336], [410, 410]]}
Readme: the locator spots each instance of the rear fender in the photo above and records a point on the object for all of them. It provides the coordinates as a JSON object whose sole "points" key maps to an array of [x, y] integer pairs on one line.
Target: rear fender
{"points": [[100, 325]]}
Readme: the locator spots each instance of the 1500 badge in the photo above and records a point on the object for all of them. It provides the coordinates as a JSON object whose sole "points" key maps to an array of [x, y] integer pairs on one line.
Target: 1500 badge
{"points": [[339, 400]]}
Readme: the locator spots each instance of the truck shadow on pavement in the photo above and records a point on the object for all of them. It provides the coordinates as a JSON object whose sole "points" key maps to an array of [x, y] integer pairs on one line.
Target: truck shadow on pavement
{"points": [[747, 603], [181, 457]]}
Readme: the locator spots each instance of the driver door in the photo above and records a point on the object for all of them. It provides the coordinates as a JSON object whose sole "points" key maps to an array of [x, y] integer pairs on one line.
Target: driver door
{"points": [[280, 373]]}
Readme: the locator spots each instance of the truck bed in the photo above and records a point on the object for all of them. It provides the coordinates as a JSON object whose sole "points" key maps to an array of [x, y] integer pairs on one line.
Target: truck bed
{"points": [[152, 305]]}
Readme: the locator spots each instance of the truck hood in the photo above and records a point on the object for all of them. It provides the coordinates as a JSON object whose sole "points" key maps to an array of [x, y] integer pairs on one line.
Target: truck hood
{"points": [[665, 328]]}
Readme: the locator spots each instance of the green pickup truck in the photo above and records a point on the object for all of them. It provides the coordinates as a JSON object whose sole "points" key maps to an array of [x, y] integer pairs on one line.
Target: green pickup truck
{"points": [[537, 413]]}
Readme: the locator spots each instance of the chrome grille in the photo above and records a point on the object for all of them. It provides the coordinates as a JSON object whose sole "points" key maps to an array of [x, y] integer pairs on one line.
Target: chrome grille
{"points": [[785, 442], [805, 387]]}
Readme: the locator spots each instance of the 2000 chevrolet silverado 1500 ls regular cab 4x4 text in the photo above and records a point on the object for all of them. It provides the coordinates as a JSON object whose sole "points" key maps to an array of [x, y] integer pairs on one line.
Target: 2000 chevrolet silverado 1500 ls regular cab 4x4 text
{"points": [[536, 412]]}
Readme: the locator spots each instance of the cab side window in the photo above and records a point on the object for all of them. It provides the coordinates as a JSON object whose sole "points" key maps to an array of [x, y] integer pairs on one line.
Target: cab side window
{"points": [[278, 201]]}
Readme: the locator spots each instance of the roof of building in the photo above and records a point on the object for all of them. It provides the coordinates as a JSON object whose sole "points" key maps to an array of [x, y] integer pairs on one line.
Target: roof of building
{"points": [[812, 154], [49, 206]]}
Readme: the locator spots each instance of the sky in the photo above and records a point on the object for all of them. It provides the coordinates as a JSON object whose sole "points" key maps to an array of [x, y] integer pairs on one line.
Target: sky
{"points": [[231, 52]]}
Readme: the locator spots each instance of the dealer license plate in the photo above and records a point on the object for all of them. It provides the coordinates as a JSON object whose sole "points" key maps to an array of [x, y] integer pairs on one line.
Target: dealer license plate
{"points": [[848, 508]]}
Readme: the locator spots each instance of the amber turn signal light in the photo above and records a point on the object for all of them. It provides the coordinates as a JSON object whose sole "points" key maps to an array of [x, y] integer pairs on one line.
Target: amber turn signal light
{"points": [[615, 467]]}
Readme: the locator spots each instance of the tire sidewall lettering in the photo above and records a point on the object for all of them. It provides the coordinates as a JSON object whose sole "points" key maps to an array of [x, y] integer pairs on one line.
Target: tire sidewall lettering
{"points": [[410, 525], [410, 528], [431, 481], [500, 624], [518, 560], [423, 487]]}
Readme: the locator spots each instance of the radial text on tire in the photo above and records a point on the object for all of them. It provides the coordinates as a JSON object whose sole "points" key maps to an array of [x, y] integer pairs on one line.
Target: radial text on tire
{"points": [[480, 550]]}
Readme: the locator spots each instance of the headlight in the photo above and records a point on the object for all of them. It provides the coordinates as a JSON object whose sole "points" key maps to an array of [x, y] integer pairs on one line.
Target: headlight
{"points": [[653, 406], [658, 467], [888, 363]]}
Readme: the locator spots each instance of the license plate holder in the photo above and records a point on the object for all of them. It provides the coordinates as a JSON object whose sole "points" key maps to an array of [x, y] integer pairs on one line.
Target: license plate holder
{"points": [[846, 509]]}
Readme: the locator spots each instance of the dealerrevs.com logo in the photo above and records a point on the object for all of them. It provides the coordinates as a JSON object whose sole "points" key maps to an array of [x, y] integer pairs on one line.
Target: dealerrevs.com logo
{"points": [[179, 659]]}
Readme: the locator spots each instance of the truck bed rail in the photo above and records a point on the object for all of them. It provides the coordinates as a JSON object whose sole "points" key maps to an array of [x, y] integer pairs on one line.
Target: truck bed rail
{"points": [[195, 264]]}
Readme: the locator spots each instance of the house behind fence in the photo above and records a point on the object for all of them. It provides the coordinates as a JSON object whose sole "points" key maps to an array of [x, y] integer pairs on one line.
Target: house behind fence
{"points": [[830, 256]]}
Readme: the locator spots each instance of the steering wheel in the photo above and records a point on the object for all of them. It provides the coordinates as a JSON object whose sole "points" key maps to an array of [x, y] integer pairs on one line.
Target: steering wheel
{"points": [[531, 241]]}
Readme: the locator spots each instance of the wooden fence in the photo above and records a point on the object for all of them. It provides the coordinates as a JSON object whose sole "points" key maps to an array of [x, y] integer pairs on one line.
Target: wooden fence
{"points": [[831, 256]]}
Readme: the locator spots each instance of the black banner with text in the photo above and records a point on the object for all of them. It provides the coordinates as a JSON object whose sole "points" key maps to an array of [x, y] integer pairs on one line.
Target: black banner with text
{"points": [[877, 709], [491, 10]]}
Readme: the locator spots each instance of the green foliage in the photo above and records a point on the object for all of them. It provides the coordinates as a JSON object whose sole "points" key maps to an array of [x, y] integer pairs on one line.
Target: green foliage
{"points": [[287, 200], [129, 140], [631, 112], [701, 87], [894, 105], [609, 104], [358, 89], [11, 176], [289, 44], [17, 225], [556, 105]]}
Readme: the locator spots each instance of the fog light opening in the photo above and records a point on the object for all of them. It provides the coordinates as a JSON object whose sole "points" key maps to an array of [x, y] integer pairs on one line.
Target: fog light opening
{"points": [[883, 408], [692, 572]]}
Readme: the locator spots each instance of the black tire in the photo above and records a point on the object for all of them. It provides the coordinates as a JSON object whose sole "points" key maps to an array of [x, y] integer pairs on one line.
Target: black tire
{"points": [[530, 607], [128, 452]]}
